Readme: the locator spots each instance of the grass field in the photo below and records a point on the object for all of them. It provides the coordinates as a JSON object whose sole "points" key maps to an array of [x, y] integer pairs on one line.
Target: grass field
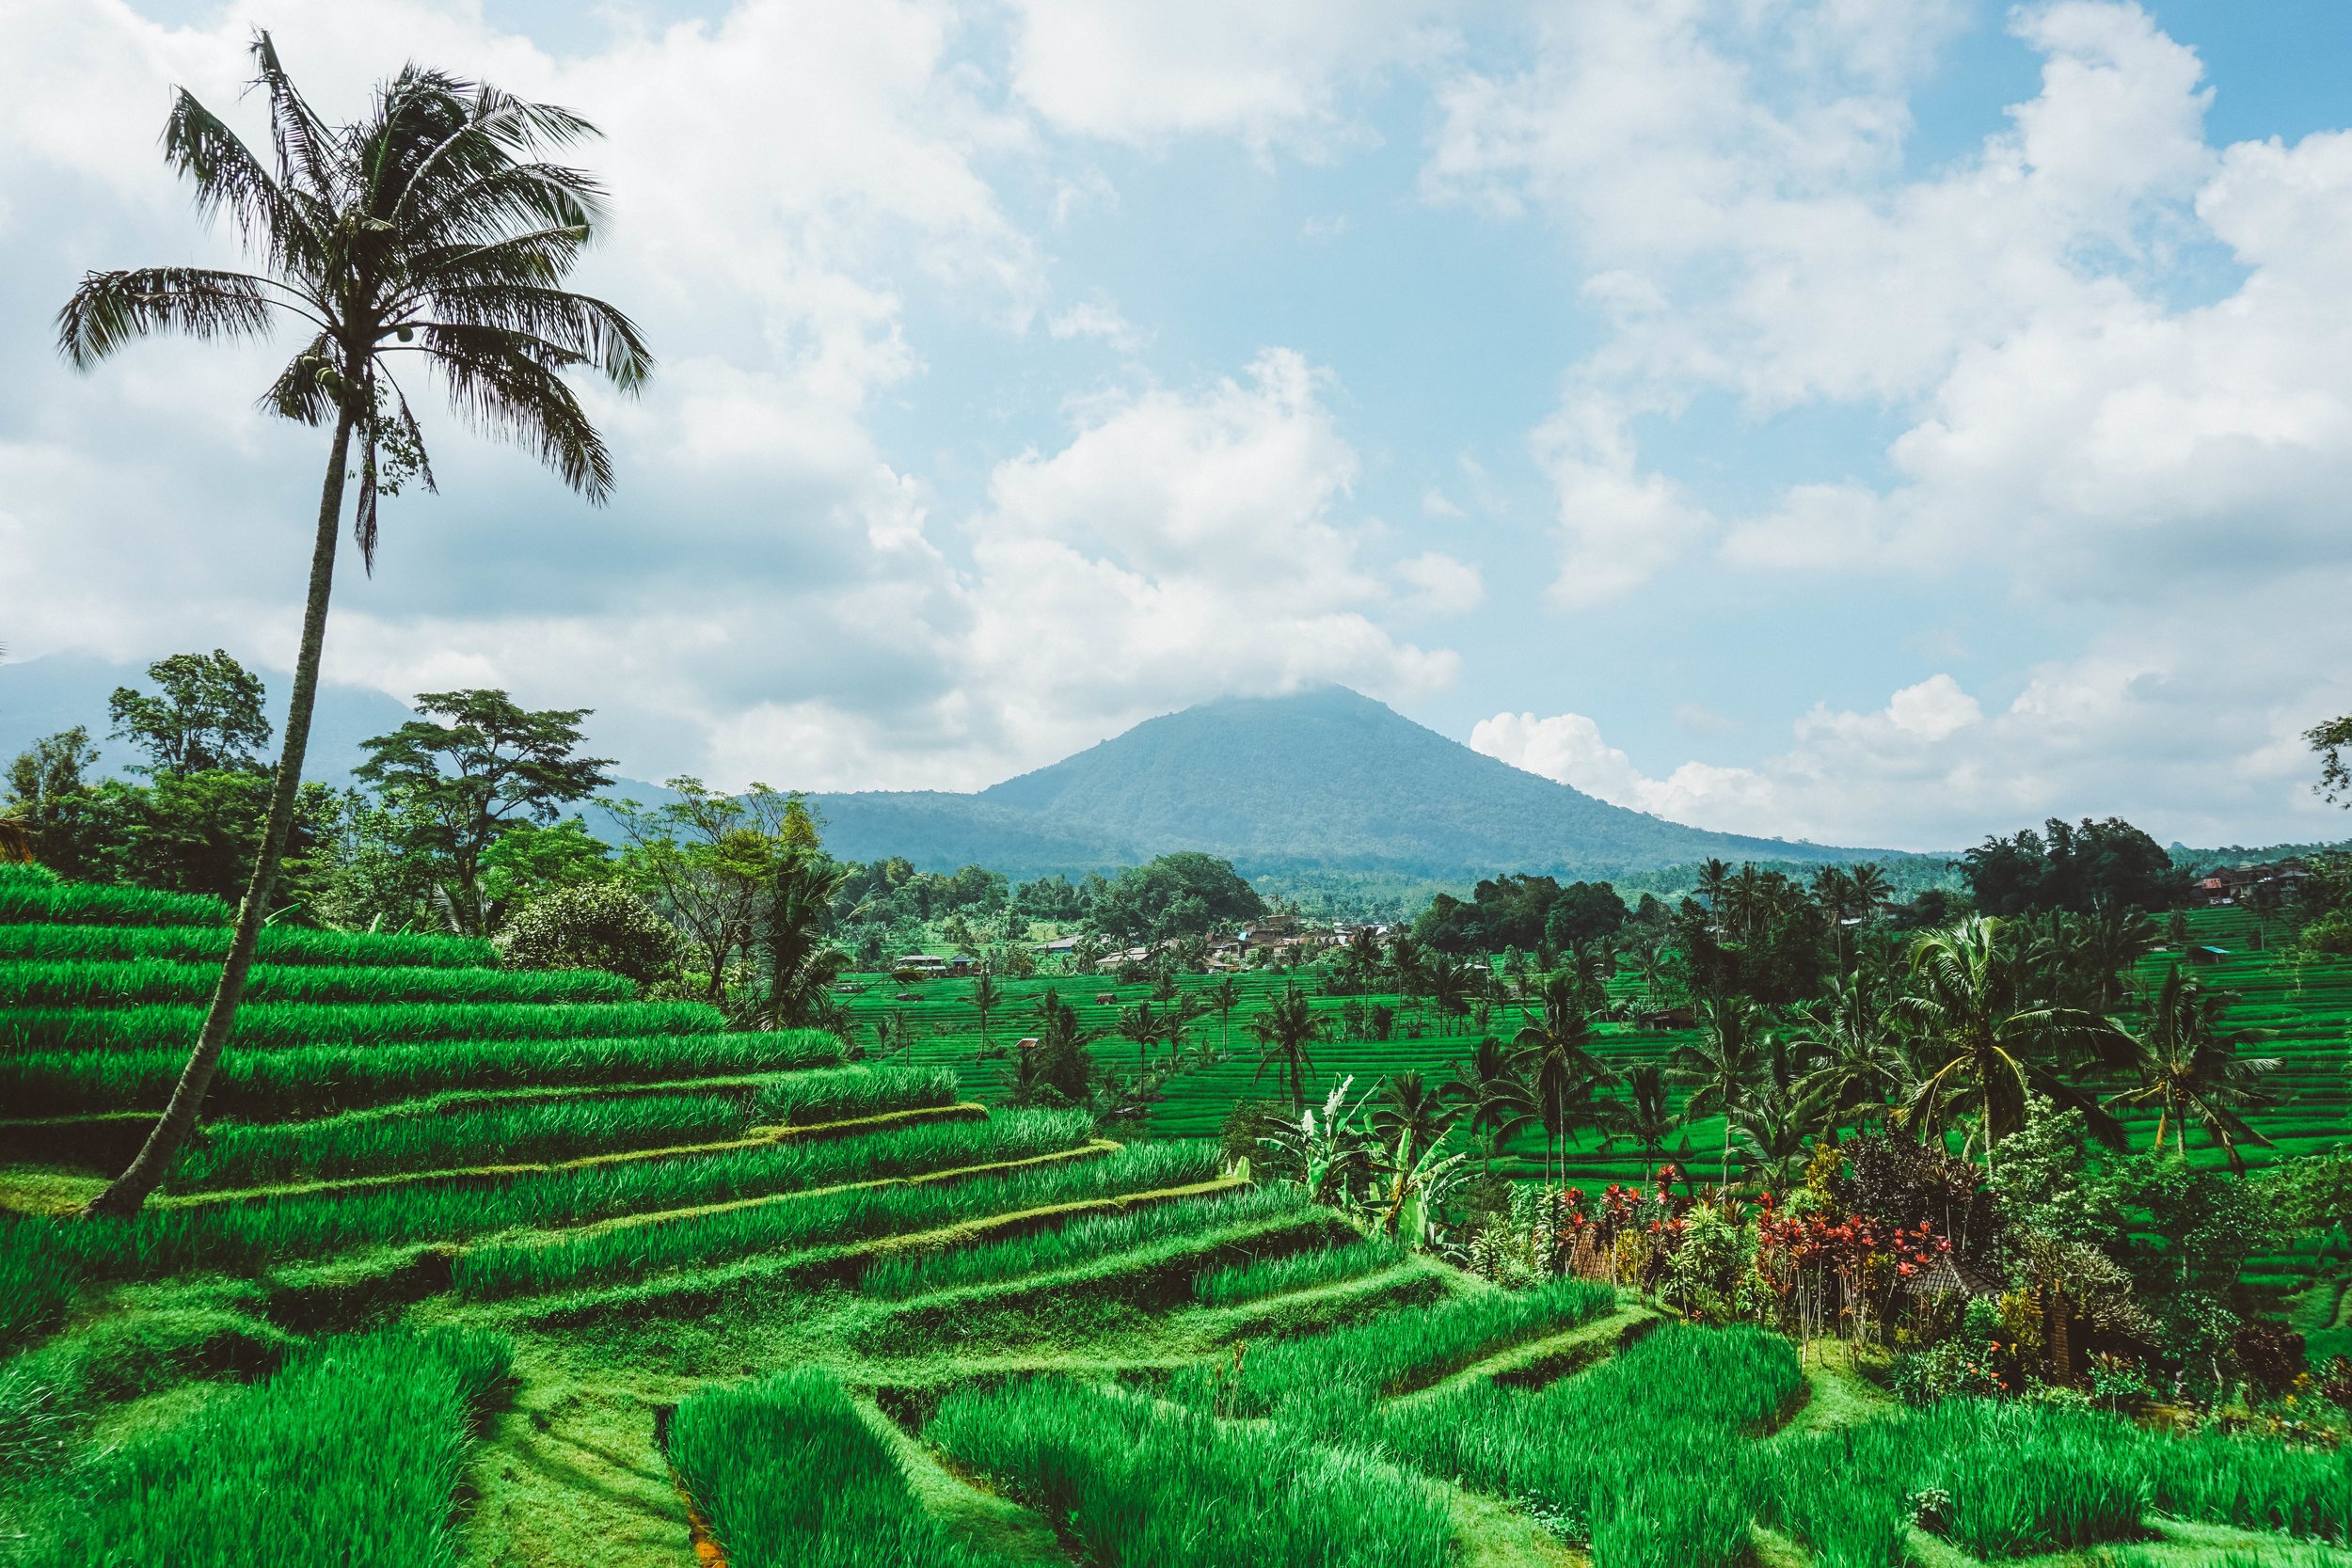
{"points": [[469, 1269]]}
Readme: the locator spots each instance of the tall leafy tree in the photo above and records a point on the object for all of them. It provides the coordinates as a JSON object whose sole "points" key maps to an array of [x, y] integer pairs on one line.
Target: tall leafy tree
{"points": [[204, 713], [711, 860], [492, 764], [52, 805], [1283, 1032], [429, 226], [1987, 1047], [2187, 1061]]}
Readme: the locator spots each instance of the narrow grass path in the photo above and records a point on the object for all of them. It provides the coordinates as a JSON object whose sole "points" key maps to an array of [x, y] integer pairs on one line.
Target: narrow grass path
{"points": [[979, 1518], [568, 1477], [1547, 1359], [1838, 1394], [1496, 1535]]}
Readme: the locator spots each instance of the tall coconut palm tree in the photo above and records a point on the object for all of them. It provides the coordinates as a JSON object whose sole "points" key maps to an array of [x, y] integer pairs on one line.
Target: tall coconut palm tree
{"points": [[1858, 1071], [1867, 881], [2188, 1068], [1223, 998], [1644, 1116], [1990, 1045], [1556, 1047], [1649, 967], [1771, 1128], [1491, 1091], [1589, 966], [2110, 940], [1284, 1031], [1412, 1115], [801, 964], [1721, 1067], [1450, 983], [1714, 876], [986, 995], [430, 227], [1145, 1027], [1833, 890]]}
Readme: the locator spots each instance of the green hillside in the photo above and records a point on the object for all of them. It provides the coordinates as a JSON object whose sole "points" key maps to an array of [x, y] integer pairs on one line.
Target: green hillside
{"points": [[1327, 779], [471, 1268]]}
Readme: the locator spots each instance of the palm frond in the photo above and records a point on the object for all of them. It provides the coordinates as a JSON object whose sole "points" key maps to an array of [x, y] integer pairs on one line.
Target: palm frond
{"points": [[487, 206], [303, 142], [304, 391], [597, 333], [109, 309], [505, 385], [229, 177]]}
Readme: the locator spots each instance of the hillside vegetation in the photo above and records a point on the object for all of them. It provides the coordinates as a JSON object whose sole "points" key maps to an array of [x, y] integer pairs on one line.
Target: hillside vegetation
{"points": [[685, 1296]]}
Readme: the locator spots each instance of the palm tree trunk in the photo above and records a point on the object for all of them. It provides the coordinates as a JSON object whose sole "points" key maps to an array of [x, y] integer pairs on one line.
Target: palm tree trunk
{"points": [[128, 1192], [1987, 1133]]}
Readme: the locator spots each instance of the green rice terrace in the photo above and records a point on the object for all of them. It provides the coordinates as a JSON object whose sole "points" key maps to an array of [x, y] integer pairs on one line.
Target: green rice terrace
{"points": [[493, 1266]]}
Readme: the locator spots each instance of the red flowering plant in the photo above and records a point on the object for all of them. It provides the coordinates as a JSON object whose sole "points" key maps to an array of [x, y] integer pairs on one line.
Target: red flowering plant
{"points": [[1840, 1275]]}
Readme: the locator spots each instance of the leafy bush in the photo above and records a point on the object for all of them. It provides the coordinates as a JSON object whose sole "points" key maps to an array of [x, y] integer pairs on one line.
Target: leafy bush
{"points": [[598, 926]]}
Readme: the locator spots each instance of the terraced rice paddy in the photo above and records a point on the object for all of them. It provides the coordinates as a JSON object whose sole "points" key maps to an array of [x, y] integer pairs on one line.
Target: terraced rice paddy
{"points": [[488, 1269]]}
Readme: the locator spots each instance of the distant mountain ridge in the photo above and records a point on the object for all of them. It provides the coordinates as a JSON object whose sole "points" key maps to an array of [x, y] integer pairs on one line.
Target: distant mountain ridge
{"points": [[1325, 779]]}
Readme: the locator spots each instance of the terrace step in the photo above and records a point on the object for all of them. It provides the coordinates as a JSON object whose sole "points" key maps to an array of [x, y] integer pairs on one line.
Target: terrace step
{"points": [[488, 1175], [1537, 1362], [700, 1290], [1092, 1148]]}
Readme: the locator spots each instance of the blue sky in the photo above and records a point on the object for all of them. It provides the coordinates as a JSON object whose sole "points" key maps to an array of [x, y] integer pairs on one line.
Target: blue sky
{"points": [[1875, 421]]}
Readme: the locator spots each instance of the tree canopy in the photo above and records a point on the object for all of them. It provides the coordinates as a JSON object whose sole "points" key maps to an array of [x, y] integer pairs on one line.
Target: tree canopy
{"points": [[205, 713], [492, 765], [2073, 867], [1184, 895]]}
